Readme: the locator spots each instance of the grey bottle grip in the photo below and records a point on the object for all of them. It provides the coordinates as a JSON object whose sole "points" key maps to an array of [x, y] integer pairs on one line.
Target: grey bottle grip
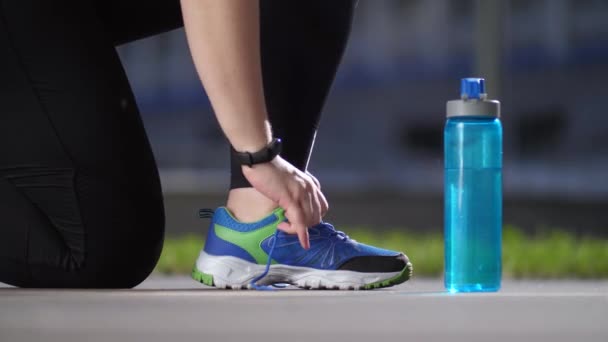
{"points": [[489, 108]]}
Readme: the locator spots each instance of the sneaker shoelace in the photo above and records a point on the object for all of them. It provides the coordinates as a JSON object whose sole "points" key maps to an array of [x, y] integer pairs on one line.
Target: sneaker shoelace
{"points": [[255, 280]]}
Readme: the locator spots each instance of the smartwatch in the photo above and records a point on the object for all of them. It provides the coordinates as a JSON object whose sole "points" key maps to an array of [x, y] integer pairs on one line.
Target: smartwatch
{"points": [[266, 154]]}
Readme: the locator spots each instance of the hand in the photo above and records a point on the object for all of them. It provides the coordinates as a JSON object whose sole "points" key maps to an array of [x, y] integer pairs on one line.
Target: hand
{"points": [[297, 192]]}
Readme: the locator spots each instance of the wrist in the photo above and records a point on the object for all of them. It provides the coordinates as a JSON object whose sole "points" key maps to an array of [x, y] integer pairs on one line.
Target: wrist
{"points": [[251, 145], [254, 140]]}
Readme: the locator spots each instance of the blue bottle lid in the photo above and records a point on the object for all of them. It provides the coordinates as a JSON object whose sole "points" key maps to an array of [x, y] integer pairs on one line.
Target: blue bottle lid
{"points": [[473, 100], [472, 88]]}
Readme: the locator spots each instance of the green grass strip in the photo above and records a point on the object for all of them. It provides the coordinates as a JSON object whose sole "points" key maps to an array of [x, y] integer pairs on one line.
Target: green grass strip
{"points": [[549, 255]]}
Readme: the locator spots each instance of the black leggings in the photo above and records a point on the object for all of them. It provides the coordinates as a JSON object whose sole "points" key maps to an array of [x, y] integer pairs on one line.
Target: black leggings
{"points": [[80, 197]]}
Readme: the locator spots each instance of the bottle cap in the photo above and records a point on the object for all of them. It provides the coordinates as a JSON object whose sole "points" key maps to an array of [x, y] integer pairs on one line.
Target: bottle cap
{"points": [[472, 88], [473, 100]]}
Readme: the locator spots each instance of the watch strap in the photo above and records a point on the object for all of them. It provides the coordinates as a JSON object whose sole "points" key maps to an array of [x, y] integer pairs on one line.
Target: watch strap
{"points": [[266, 154]]}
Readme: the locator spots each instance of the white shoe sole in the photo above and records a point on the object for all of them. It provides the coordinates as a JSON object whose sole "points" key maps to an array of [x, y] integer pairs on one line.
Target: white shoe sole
{"points": [[235, 273]]}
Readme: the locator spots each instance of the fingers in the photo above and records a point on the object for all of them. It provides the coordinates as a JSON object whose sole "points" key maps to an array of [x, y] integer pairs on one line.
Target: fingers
{"points": [[322, 200], [303, 236], [311, 200], [301, 230], [314, 179], [304, 220], [316, 206], [298, 221], [308, 202], [314, 203], [286, 227], [300, 215]]}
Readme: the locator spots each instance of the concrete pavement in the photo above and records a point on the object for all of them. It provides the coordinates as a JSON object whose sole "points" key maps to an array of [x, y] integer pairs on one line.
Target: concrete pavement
{"points": [[176, 308]]}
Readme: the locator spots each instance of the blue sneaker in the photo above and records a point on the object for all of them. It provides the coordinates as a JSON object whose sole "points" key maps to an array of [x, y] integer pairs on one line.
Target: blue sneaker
{"points": [[236, 253]]}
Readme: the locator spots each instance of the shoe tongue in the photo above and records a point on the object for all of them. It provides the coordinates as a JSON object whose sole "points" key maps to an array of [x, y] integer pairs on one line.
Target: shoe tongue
{"points": [[334, 231], [328, 228]]}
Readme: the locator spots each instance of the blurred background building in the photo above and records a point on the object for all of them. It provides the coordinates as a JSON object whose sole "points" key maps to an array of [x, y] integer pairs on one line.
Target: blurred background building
{"points": [[379, 149]]}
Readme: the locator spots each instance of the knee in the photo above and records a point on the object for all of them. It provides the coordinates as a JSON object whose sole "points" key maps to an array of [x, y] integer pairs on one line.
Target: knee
{"points": [[121, 250], [126, 259], [114, 239]]}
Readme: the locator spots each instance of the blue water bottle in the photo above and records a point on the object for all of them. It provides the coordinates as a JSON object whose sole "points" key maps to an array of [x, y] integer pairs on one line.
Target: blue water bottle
{"points": [[473, 191]]}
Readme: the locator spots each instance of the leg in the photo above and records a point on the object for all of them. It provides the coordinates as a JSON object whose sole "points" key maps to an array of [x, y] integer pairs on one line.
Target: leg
{"points": [[128, 20], [80, 198], [301, 49]]}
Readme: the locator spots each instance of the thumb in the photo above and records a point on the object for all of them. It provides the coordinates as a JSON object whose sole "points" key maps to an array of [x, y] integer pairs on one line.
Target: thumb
{"points": [[287, 227]]}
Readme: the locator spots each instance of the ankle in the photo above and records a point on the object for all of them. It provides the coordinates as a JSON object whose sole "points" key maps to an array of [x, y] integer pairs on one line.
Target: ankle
{"points": [[249, 205]]}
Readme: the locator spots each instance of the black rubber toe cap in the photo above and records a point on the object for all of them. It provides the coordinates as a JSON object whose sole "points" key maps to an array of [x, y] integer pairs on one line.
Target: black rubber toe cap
{"points": [[375, 264]]}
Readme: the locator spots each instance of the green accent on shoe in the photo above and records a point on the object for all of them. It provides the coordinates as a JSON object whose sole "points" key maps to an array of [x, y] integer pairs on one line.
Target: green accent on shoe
{"points": [[278, 212], [251, 241], [403, 276], [201, 277]]}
